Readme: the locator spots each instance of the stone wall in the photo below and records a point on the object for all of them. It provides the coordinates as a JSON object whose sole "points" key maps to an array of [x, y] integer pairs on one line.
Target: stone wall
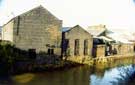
{"points": [[37, 29], [117, 49], [79, 33], [123, 48], [99, 51], [7, 31]]}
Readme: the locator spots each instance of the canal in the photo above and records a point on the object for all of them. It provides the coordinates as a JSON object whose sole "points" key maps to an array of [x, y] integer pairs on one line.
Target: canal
{"points": [[82, 75]]}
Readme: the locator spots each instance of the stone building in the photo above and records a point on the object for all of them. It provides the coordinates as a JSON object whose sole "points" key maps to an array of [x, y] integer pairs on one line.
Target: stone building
{"points": [[98, 30], [100, 40], [36, 30], [0, 32], [76, 42]]}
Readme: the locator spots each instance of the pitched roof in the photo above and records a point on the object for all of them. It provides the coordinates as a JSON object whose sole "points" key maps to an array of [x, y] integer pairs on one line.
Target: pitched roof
{"points": [[122, 37], [65, 29], [95, 32], [105, 38], [98, 30], [40, 6]]}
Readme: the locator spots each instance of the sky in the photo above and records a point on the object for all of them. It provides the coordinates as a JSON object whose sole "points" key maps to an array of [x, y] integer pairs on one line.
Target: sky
{"points": [[115, 14]]}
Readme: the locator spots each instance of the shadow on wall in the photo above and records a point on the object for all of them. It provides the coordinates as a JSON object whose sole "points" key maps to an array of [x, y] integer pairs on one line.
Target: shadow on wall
{"points": [[13, 58]]}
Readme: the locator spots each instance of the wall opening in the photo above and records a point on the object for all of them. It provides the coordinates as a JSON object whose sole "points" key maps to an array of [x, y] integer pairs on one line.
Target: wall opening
{"points": [[86, 47], [32, 53], [66, 47], [76, 47], [50, 51]]}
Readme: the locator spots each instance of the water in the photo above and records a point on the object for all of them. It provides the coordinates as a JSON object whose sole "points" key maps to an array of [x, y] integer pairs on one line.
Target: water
{"points": [[82, 75]]}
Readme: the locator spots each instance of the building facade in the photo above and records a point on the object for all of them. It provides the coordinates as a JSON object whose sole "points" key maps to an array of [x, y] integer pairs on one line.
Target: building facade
{"points": [[76, 42], [36, 30]]}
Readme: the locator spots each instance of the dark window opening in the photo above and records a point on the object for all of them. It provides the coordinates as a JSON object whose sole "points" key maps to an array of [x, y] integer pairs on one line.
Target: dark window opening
{"points": [[85, 47], [50, 51], [66, 47], [76, 49], [32, 53]]}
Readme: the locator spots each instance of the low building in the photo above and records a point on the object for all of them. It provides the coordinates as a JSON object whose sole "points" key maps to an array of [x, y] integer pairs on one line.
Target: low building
{"points": [[36, 30], [98, 30], [76, 42], [101, 42]]}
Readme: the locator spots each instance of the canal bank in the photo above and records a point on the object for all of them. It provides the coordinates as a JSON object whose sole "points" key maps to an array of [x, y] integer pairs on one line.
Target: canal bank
{"points": [[98, 63], [80, 75], [13, 61], [106, 61]]}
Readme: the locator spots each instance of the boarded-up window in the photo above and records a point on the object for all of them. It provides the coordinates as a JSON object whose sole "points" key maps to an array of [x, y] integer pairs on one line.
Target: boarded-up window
{"points": [[86, 47], [76, 47]]}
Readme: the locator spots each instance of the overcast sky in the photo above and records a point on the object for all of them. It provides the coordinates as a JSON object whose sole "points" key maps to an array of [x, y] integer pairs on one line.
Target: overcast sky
{"points": [[113, 13]]}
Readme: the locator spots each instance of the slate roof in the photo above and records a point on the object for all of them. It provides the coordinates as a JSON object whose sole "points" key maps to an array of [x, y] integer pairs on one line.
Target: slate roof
{"points": [[65, 29]]}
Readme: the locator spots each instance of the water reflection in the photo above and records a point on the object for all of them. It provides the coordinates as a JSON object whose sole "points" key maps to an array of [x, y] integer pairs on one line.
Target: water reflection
{"points": [[75, 76], [83, 75], [23, 78], [116, 76], [5, 80]]}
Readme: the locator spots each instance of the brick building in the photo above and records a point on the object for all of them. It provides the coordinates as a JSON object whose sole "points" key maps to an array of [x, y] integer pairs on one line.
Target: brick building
{"points": [[76, 41], [36, 30]]}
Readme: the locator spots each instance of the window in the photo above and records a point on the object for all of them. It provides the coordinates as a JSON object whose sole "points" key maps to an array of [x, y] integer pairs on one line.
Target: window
{"points": [[50, 51], [76, 47], [32, 53], [86, 47], [66, 47]]}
